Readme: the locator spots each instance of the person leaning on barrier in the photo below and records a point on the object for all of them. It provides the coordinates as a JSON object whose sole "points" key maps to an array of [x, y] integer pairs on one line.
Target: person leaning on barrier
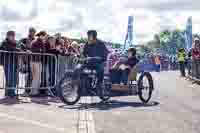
{"points": [[196, 58], [26, 46], [51, 49], [38, 62], [28, 40], [76, 48], [10, 63]]}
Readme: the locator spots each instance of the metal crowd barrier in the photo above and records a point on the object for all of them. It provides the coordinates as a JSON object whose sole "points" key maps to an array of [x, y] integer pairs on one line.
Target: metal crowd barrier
{"points": [[65, 63], [23, 70], [194, 71]]}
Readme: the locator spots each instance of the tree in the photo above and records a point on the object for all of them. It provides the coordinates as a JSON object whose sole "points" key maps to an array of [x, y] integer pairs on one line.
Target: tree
{"points": [[167, 42]]}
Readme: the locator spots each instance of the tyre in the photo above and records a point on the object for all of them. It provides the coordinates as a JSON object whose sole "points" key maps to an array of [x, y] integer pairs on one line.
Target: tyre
{"points": [[68, 90], [105, 91], [145, 87]]}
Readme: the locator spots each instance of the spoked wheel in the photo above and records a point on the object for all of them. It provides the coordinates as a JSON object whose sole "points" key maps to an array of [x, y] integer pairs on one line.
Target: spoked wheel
{"points": [[145, 87], [105, 92], [69, 90]]}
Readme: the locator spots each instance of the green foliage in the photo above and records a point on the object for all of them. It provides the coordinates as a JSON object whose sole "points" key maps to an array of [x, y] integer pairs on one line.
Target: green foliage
{"points": [[82, 40], [116, 45], [167, 42]]}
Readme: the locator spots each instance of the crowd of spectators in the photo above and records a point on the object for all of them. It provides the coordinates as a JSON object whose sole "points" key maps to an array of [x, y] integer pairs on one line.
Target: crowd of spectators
{"points": [[41, 42], [35, 42], [194, 56], [190, 60]]}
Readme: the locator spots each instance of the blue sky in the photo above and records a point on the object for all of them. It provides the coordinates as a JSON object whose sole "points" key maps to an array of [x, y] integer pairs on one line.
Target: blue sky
{"points": [[74, 17]]}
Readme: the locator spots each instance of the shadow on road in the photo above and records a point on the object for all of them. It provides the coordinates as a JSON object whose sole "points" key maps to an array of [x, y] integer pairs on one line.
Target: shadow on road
{"points": [[111, 105], [9, 101], [24, 100]]}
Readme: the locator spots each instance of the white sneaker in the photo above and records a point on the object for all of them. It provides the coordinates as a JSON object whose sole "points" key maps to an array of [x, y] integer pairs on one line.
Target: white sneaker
{"points": [[134, 82]]}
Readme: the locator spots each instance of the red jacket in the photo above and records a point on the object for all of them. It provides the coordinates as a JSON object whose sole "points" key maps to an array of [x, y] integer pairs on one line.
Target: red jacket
{"points": [[195, 53]]}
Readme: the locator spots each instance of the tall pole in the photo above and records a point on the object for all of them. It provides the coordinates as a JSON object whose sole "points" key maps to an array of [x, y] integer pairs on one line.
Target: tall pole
{"points": [[129, 35], [188, 34]]}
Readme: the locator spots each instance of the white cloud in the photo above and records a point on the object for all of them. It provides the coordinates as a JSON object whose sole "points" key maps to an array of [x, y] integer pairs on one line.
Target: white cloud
{"points": [[74, 17]]}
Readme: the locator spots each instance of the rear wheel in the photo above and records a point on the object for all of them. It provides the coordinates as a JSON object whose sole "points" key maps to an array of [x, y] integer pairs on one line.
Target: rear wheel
{"points": [[69, 90], [145, 87], [105, 91]]}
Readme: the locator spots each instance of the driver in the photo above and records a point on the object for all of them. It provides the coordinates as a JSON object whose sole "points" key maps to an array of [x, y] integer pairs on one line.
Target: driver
{"points": [[96, 48]]}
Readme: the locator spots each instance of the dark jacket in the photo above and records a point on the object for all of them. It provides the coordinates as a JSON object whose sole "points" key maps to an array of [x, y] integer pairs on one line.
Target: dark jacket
{"points": [[9, 46], [132, 61], [26, 43], [96, 50], [8, 58], [39, 47]]}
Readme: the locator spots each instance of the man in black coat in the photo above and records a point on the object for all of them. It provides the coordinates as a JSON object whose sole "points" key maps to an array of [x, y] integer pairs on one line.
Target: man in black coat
{"points": [[10, 63], [96, 48]]}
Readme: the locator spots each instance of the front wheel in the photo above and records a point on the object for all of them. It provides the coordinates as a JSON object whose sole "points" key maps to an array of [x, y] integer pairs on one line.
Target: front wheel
{"points": [[145, 87], [105, 92], [68, 90]]}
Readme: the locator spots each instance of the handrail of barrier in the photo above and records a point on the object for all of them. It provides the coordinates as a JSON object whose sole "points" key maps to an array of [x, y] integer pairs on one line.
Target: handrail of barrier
{"points": [[12, 61], [195, 70]]}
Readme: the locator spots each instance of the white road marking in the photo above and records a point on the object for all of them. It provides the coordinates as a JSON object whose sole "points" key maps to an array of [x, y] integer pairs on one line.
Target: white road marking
{"points": [[37, 123], [86, 121]]}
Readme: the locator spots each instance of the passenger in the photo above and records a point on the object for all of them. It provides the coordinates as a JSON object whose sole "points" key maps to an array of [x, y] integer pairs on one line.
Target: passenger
{"points": [[115, 72], [128, 69], [10, 63]]}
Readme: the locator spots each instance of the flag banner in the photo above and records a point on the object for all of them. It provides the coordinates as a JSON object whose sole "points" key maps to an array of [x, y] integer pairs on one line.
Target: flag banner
{"points": [[188, 34]]}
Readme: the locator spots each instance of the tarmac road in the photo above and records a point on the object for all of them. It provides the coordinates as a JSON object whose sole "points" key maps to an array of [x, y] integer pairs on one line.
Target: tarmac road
{"points": [[174, 108]]}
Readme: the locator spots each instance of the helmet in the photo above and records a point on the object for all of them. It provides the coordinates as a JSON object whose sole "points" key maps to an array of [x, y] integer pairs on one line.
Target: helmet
{"points": [[92, 33]]}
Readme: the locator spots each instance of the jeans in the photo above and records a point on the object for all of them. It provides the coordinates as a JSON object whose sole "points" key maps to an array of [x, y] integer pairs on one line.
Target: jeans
{"points": [[182, 68], [115, 76], [189, 66], [157, 67], [100, 72], [36, 72], [44, 75], [11, 79], [197, 68], [52, 72], [124, 76]]}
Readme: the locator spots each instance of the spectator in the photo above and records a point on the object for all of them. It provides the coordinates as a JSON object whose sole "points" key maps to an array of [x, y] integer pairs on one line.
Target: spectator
{"points": [[196, 59], [61, 45], [58, 37], [181, 59], [10, 62], [76, 48], [51, 48], [157, 63], [189, 62], [27, 41], [38, 62], [26, 46]]}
